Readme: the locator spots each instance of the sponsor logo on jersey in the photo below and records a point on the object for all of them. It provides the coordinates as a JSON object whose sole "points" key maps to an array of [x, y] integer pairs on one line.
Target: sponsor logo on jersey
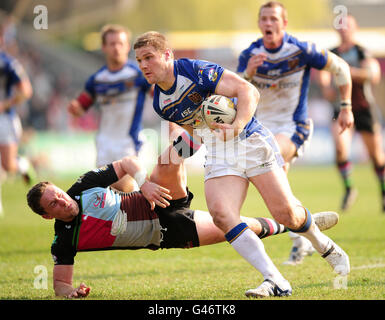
{"points": [[101, 169], [200, 74], [213, 75], [195, 97], [274, 72], [276, 85], [186, 112], [171, 116], [293, 63], [79, 180], [100, 201]]}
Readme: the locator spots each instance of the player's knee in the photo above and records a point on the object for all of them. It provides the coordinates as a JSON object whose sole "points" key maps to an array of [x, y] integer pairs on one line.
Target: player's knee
{"points": [[221, 217], [287, 215], [9, 166]]}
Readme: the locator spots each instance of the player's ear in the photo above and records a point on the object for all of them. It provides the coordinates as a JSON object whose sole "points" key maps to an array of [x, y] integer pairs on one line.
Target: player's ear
{"points": [[169, 54], [47, 216]]}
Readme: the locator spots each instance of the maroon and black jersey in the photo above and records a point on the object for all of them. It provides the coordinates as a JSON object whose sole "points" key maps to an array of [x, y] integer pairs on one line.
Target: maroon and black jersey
{"points": [[354, 57], [109, 219]]}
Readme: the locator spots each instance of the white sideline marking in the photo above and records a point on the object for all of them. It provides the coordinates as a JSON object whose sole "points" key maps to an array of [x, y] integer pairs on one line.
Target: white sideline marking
{"points": [[369, 266]]}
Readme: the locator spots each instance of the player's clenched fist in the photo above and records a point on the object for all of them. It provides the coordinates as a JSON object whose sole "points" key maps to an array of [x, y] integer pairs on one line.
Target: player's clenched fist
{"points": [[253, 63]]}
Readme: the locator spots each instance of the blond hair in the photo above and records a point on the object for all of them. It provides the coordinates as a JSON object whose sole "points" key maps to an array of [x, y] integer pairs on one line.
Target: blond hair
{"points": [[114, 28], [274, 4], [152, 38]]}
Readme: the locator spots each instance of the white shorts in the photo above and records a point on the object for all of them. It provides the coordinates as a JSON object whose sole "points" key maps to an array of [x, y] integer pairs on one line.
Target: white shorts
{"points": [[10, 129], [287, 129], [245, 158], [300, 134], [111, 150]]}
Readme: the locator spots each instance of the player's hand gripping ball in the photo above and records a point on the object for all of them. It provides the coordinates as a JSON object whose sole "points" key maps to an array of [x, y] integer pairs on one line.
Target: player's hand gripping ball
{"points": [[219, 109]]}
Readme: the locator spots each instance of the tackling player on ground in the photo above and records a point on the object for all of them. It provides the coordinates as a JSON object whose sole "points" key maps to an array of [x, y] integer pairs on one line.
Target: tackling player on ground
{"points": [[159, 216]]}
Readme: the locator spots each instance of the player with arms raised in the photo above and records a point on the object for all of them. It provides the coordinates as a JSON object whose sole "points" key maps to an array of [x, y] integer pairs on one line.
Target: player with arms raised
{"points": [[279, 66]]}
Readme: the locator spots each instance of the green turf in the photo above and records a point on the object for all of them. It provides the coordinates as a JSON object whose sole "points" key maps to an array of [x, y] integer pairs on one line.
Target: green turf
{"points": [[212, 272]]}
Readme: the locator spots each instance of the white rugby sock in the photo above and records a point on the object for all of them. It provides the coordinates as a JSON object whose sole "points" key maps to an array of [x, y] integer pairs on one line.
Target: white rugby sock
{"points": [[251, 248], [310, 231], [319, 240]]}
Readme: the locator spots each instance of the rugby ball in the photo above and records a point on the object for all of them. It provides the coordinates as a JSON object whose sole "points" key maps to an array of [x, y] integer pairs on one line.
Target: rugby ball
{"points": [[219, 109]]}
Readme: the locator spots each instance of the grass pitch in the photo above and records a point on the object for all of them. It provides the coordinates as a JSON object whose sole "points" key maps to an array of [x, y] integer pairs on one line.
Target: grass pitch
{"points": [[214, 272]]}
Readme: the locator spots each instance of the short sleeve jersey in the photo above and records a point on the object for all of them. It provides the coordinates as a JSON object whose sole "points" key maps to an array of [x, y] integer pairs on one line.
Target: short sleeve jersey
{"points": [[98, 207], [11, 73], [283, 79], [120, 95], [195, 81], [362, 95]]}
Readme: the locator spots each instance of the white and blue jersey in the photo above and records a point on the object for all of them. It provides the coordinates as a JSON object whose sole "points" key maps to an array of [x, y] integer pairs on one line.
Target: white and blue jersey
{"points": [[120, 95], [11, 73], [283, 80], [195, 81]]}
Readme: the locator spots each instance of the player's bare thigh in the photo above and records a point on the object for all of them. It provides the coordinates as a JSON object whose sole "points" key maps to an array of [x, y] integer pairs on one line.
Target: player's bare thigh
{"points": [[342, 141], [171, 173], [373, 143], [286, 147], [280, 201], [8, 155], [224, 197]]}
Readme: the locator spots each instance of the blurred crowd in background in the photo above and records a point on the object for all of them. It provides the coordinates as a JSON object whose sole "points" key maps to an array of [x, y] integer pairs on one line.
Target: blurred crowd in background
{"points": [[58, 70]]}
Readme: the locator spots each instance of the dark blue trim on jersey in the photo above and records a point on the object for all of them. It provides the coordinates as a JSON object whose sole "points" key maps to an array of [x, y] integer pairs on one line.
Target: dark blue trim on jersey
{"points": [[137, 120], [11, 76], [300, 113], [285, 39], [139, 81]]}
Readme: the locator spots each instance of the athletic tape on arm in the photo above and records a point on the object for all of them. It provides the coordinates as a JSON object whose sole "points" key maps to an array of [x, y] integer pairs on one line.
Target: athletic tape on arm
{"points": [[339, 68]]}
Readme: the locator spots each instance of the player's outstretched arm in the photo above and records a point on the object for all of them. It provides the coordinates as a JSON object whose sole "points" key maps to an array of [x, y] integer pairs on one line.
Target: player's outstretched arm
{"points": [[154, 193], [62, 283]]}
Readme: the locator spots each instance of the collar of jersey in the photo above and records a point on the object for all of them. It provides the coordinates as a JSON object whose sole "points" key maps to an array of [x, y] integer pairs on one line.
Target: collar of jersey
{"points": [[116, 71], [285, 37]]}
